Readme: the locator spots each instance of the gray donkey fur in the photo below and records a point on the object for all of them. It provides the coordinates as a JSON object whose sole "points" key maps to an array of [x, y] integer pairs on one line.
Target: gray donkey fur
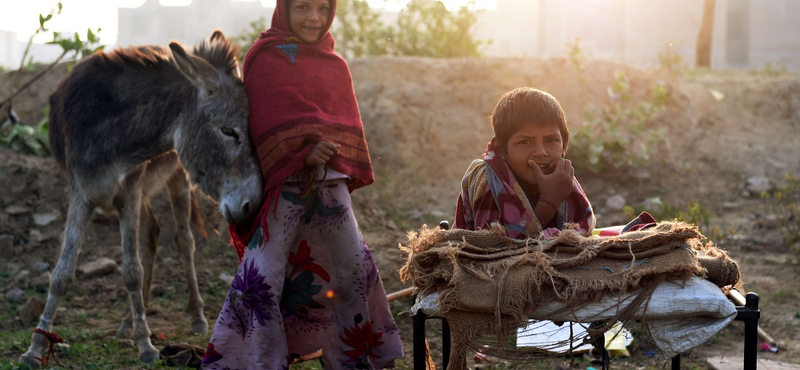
{"points": [[124, 124]]}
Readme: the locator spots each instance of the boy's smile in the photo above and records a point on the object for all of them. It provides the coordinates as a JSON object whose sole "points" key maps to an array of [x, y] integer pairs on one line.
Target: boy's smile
{"points": [[308, 18], [533, 145]]}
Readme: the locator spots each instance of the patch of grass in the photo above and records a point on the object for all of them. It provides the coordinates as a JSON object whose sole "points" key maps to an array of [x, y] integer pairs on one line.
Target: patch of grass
{"points": [[89, 349], [695, 213], [784, 295], [307, 365], [785, 205]]}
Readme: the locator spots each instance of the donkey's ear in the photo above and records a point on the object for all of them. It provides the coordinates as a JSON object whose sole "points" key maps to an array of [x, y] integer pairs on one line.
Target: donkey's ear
{"points": [[199, 72], [218, 35]]}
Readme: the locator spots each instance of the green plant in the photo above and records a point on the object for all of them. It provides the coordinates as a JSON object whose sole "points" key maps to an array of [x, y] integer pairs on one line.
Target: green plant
{"points": [[244, 39], [785, 204], [427, 28], [578, 59], [70, 44], [670, 62], [360, 31], [27, 139], [695, 213], [769, 70], [621, 132]]}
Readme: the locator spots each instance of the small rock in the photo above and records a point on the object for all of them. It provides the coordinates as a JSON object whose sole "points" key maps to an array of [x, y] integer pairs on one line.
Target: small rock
{"points": [[36, 236], [153, 311], [16, 210], [156, 290], [99, 267], [757, 185], [731, 205], [44, 219], [615, 203], [15, 294], [228, 279], [415, 214], [62, 349], [41, 266], [19, 188], [6, 246], [41, 282], [31, 310], [770, 222], [23, 278], [79, 301], [653, 203]]}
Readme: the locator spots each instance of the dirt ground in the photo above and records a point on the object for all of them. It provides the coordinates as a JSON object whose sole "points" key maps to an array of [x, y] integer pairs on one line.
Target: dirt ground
{"points": [[425, 120]]}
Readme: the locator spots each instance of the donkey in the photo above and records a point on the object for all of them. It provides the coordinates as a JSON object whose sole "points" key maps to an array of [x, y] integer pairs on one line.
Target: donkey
{"points": [[124, 124]]}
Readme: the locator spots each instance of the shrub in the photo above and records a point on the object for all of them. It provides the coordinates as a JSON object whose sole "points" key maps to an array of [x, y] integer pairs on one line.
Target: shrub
{"points": [[620, 133], [785, 204]]}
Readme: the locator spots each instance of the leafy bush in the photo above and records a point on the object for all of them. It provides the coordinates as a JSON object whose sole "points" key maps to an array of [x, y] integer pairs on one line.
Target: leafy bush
{"points": [[360, 32], [423, 28], [427, 28], [619, 133], [245, 39], [26, 139], [785, 204], [695, 213]]}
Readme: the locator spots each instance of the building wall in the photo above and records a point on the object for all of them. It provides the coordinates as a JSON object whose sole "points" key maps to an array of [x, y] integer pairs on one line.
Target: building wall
{"points": [[635, 31], [155, 24], [11, 51]]}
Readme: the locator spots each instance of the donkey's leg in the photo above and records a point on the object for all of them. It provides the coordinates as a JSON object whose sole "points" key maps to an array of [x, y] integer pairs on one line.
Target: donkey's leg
{"points": [[128, 201], [63, 274], [180, 193], [159, 169], [149, 231]]}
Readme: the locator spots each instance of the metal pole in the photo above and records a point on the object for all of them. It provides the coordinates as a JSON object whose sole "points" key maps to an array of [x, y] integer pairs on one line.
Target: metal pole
{"points": [[418, 333], [445, 343], [751, 334]]}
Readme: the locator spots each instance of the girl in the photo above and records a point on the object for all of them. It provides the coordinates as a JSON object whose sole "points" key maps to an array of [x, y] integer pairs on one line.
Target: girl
{"points": [[307, 280]]}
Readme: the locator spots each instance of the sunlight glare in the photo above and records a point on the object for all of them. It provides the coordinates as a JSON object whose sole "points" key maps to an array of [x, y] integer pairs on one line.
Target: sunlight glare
{"points": [[451, 5]]}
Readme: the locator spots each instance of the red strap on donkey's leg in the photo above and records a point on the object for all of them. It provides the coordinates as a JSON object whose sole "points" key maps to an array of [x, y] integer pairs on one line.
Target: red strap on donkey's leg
{"points": [[53, 338]]}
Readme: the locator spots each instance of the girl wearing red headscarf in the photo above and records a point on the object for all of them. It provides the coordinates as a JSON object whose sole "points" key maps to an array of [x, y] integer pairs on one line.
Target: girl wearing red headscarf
{"points": [[306, 280]]}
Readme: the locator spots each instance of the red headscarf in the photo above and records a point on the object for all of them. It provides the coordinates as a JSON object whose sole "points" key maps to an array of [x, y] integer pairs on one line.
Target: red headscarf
{"points": [[300, 93]]}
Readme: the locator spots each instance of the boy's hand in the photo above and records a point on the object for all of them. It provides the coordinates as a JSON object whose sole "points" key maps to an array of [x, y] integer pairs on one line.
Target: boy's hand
{"points": [[556, 186], [321, 153]]}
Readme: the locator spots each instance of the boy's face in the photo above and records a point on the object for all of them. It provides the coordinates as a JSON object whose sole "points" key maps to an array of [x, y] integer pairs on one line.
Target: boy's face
{"points": [[541, 144], [308, 18]]}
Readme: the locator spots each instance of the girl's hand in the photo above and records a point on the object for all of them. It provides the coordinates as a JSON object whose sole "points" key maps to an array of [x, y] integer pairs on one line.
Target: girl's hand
{"points": [[321, 153], [556, 186]]}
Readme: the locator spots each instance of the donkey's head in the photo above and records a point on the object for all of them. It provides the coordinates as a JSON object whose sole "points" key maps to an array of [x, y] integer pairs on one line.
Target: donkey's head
{"points": [[212, 138]]}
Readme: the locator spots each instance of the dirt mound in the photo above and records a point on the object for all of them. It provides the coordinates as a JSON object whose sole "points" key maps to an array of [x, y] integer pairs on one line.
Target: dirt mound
{"points": [[427, 119]]}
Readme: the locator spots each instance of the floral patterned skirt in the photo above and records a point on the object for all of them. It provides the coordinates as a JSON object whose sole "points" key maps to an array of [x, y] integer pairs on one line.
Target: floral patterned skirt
{"points": [[312, 285]]}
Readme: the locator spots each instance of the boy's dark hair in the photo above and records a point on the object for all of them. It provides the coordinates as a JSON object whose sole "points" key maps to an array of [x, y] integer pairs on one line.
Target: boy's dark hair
{"points": [[525, 105]]}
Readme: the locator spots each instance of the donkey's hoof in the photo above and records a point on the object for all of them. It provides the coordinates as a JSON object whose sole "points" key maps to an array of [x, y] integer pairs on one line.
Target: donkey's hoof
{"points": [[200, 328], [31, 361], [148, 355]]}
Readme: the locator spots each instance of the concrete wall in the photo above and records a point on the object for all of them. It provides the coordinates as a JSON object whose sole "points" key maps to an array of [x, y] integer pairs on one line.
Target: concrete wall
{"points": [[747, 33], [155, 24]]}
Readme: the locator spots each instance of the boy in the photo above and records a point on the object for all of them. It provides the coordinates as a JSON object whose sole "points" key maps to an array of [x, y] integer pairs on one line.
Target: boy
{"points": [[524, 182]]}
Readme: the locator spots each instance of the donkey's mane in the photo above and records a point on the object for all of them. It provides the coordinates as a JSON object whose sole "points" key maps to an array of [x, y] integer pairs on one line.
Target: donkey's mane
{"points": [[220, 54], [142, 56]]}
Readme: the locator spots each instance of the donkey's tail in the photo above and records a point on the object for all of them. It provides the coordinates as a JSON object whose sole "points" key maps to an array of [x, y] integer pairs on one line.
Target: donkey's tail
{"points": [[199, 219]]}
